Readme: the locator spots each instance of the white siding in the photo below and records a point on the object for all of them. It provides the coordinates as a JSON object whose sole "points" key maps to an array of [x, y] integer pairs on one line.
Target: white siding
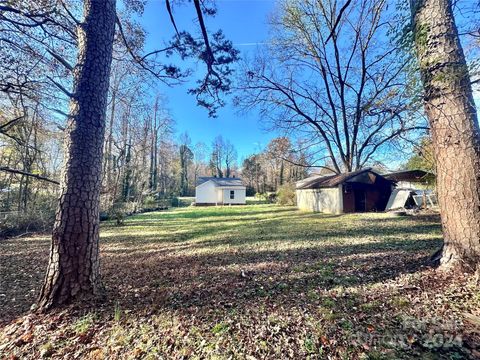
{"points": [[239, 196], [209, 193], [328, 200], [219, 195], [206, 193]]}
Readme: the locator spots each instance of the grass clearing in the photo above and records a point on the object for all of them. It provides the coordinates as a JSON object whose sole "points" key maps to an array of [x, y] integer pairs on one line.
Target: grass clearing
{"points": [[257, 280]]}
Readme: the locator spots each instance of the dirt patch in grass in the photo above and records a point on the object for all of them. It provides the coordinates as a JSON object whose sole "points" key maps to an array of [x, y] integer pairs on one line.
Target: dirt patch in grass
{"points": [[257, 282]]}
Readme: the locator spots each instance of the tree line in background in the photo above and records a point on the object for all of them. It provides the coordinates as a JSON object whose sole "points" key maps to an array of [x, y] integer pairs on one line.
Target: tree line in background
{"points": [[279, 164], [59, 54], [141, 157], [144, 162]]}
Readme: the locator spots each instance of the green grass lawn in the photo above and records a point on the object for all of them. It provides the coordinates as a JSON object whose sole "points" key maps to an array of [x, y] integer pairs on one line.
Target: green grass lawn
{"points": [[249, 282]]}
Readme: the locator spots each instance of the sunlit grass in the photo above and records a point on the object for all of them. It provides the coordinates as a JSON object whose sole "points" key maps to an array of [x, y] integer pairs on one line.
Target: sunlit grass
{"points": [[256, 280], [262, 227]]}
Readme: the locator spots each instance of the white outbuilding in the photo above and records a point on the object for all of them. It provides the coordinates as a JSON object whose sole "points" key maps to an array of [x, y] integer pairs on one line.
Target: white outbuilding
{"points": [[220, 191], [358, 191]]}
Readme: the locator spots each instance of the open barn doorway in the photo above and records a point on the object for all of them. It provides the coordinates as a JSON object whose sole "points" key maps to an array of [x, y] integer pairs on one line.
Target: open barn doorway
{"points": [[364, 194], [360, 197]]}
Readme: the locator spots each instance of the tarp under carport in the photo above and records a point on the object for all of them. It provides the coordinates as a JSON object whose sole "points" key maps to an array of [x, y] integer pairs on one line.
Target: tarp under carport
{"points": [[401, 198], [410, 198]]}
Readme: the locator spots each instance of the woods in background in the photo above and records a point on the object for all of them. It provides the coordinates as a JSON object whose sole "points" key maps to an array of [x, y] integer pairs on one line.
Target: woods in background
{"points": [[278, 164], [70, 48], [41, 60]]}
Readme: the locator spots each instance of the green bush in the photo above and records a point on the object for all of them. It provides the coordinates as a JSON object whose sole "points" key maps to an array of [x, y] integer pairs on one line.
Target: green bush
{"points": [[250, 191], [286, 195], [185, 201]]}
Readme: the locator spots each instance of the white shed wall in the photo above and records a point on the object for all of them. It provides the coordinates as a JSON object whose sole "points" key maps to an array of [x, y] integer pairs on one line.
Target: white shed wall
{"points": [[328, 200], [240, 194], [209, 193], [219, 195], [206, 193]]}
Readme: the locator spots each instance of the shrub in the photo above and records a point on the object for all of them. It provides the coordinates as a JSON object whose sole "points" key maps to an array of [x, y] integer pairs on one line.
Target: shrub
{"points": [[149, 202], [120, 210], [185, 201], [39, 215], [175, 202], [286, 195], [268, 197], [17, 223], [260, 196], [117, 213], [250, 191]]}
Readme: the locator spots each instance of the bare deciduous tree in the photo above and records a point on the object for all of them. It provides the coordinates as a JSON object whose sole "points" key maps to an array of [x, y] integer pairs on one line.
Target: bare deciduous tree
{"points": [[333, 75], [223, 157]]}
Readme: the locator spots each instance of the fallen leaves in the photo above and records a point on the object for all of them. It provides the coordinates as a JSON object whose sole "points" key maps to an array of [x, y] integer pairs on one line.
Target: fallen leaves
{"points": [[472, 319], [254, 282], [24, 339]]}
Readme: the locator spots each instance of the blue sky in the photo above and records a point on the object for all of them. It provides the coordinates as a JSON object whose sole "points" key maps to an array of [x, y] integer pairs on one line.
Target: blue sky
{"points": [[245, 23]]}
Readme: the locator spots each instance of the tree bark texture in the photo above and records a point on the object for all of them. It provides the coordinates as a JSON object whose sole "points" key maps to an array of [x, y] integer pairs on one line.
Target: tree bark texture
{"points": [[451, 111], [73, 270]]}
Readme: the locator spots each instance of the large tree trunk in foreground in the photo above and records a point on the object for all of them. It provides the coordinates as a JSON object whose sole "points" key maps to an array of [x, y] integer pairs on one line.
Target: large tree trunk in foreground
{"points": [[453, 120], [73, 270]]}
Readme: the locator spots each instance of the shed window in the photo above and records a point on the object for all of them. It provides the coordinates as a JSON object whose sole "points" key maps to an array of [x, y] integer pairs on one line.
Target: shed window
{"points": [[232, 194]]}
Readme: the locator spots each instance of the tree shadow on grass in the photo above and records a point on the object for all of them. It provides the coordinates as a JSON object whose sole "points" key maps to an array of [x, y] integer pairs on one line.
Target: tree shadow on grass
{"points": [[214, 287], [238, 269], [208, 212], [173, 231], [290, 258]]}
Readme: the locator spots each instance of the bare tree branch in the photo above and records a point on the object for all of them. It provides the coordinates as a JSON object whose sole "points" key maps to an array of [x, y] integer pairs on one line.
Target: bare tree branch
{"points": [[170, 13], [337, 21], [20, 172]]}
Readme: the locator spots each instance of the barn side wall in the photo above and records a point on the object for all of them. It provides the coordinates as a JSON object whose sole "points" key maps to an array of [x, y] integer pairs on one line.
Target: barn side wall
{"points": [[327, 200]]}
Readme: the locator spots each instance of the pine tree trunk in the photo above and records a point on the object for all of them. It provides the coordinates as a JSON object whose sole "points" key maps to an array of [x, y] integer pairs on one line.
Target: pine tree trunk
{"points": [[73, 270], [453, 120]]}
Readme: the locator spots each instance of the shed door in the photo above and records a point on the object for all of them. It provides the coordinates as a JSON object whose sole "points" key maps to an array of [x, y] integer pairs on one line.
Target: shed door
{"points": [[360, 200]]}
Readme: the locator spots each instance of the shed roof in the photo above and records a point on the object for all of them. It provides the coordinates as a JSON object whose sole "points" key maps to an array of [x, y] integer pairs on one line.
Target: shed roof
{"points": [[320, 181], [410, 175], [230, 182]]}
